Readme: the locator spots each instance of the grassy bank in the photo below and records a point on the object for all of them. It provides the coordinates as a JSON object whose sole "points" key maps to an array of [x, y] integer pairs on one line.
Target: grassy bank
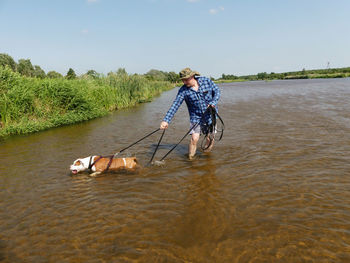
{"points": [[31, 104], [229, 80], [303, 74]]}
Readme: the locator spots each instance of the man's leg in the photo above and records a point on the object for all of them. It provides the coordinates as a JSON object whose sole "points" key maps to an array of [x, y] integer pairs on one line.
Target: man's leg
{"points": [[209, 142], [192, 148]]}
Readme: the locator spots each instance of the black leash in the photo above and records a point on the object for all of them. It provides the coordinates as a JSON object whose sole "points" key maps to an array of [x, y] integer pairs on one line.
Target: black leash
{"points": [[208, 131], [137, 142], [179, 141], [99, 158], [154, 153], [210, 128], [92, 162], [194, 127]]}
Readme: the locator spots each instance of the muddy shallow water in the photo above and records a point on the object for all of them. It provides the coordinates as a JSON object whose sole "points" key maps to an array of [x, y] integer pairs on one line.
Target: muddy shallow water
{"points": [[275, 189]]}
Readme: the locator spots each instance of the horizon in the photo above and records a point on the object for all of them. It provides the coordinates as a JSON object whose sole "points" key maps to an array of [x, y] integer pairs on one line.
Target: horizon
{"points": [[314, 69], [214, 37]]}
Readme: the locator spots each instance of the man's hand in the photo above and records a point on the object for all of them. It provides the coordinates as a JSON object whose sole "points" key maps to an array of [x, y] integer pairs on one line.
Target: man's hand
{"points": [[164, 125]]}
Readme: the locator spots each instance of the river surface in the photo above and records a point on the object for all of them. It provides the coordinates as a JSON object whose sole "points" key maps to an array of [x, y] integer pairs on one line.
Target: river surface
{"points": [[276, 188]]}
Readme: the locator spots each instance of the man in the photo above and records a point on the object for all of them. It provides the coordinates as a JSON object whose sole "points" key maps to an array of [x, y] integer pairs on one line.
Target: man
{"points": [[199, 94]]}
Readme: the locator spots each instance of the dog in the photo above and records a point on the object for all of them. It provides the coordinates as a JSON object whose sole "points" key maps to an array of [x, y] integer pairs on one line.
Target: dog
{"points": [[99, 164]]}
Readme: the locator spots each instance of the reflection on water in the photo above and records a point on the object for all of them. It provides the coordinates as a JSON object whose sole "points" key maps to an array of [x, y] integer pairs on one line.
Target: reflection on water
{"points": [[275, 189]]}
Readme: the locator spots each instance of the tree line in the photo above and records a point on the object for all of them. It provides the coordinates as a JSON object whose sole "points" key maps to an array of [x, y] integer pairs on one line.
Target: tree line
{"points": [[302, 74], [27, 69]]}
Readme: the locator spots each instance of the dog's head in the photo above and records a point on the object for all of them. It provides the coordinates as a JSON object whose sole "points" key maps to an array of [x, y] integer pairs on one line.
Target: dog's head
{"points": [[80, 165]]}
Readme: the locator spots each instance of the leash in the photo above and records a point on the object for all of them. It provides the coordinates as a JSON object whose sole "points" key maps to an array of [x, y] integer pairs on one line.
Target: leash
{"points": [[94, 162], [111, 157], [210, 129], [195, 126], [91, 164], [179, 142], [136, 142], [154, 153]]}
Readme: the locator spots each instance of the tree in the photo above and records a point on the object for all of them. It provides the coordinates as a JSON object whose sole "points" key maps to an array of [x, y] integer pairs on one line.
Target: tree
{"points": [[121, 72], [71, 74], [92, 73], [25, 67], [173, 77], [38, 72], [6, 59], [262, 75], [155, 74], [54, 75], [230, 77]]}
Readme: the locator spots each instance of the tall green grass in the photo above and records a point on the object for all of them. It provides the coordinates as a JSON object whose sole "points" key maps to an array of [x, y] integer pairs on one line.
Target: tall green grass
{"points": [[31, 104]]}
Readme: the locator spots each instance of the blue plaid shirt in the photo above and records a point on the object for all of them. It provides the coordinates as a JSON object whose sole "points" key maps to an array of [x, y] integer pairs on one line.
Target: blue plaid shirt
{"points": [[197, 101]]}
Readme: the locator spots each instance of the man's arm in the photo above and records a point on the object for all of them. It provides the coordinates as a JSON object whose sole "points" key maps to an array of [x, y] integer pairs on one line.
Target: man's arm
{"points": [[173, 109], [216, 93]]}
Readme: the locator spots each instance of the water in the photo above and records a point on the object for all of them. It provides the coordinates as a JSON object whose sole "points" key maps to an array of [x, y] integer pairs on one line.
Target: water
{"points": [[275, 189]]}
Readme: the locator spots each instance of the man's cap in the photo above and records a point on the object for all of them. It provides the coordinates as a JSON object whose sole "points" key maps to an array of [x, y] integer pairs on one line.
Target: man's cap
{"points": [[187, 73]]}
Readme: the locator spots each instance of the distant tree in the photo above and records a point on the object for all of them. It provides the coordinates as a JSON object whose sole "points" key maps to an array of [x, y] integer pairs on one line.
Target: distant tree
{"points": [[54, 75], [25, 67], [6, 59], [121, 72], [92, 73], [173, 77], [345, 70], [272, 75], [262, 75], [223, 76], [155, 74], [38, 72], [71, 74]]}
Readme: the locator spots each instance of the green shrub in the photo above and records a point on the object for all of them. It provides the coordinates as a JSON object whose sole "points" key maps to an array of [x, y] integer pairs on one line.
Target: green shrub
{"points": [[31, 104]]}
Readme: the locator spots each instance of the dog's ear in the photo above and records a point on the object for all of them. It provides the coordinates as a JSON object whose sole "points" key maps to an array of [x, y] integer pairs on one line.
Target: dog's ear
{"points": [[135, 160], [77, 162]]}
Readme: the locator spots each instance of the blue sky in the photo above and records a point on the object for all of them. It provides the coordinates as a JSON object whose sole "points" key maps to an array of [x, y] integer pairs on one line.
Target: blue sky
{"points": [[211, 36]]}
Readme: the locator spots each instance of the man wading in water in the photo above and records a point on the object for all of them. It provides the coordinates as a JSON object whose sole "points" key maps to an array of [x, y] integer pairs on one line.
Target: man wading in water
{"points": [[199, 94]]}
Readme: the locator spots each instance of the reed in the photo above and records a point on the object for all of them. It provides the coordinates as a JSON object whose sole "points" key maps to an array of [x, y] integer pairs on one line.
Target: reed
{"points": [[32, 104]]}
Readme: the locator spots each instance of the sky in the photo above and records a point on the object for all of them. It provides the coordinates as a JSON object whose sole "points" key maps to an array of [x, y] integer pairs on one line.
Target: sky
{"points": [[213, 37]]}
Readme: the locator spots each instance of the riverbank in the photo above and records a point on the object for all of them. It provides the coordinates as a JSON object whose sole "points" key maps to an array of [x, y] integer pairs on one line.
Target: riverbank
{"points": [[310, 76], [30, 104], [303, 74]]}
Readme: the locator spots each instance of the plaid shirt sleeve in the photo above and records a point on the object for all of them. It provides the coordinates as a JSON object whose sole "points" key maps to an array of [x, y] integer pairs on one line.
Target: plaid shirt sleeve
{"points": [[175, 106], [216, 93]]}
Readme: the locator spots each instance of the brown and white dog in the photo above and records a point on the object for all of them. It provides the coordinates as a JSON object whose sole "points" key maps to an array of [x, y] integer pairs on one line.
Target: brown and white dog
{"points": [[100, 164]]}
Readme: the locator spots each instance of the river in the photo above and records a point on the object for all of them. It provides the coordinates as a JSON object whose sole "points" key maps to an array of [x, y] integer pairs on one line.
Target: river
{"points": [[276, 188]]}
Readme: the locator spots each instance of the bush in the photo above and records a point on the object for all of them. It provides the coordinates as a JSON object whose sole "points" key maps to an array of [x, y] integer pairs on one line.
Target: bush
{"points": [[31, 104]]}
